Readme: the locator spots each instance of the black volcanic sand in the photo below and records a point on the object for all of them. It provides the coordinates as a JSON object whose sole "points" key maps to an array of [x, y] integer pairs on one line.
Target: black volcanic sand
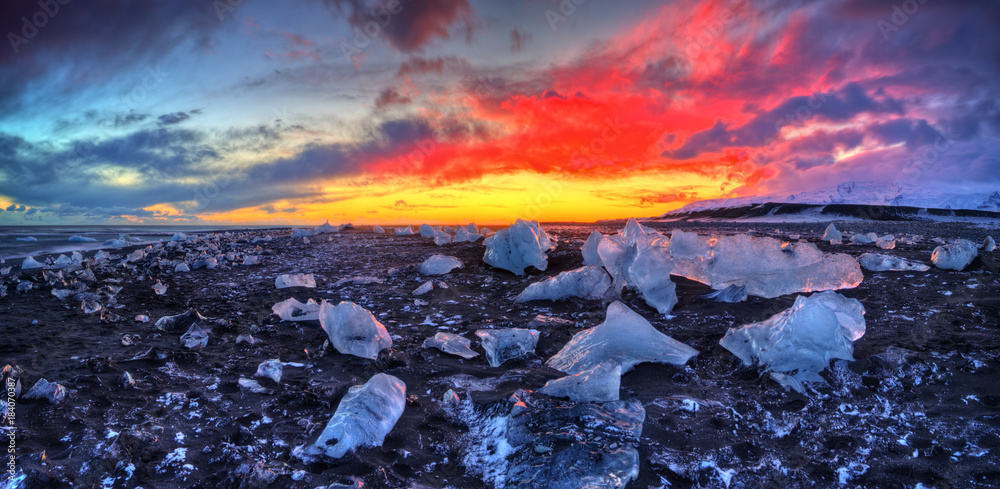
{"points": [[921, 405]]}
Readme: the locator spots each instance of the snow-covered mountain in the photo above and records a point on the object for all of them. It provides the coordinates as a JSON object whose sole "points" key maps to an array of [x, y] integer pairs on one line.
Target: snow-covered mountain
{"points": [[893, 194]]}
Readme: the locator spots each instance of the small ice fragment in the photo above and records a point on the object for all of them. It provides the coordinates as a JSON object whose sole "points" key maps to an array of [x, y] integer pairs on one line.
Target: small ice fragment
{"points": [[502, 345], [195, 338], [452, 344], [159, 288], [27, 239], [832, 234], [284, 281], [251, 260], [424, 288], [407, 231], [378, 229], [439, 265], [49, 391], [30, 263], [180, 321], [270, 369], [142, 318], [366, 414], [254, 386], [81, 239], [733, 293], [182, 267], [887, 242], [877, 262], [989, 244], [293, 310]]}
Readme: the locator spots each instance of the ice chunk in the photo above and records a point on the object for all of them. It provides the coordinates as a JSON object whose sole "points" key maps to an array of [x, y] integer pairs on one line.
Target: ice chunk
{"points": [[302, 233], [407, 231], [182, 267], [624, 337], [832, 234], [599, 384], [327, 228], [635, 232], [502, 345], [766, 266], [649, 273], [989, 244], [81, 239], [270, 369], [159, 288], [887, 242], [587, 445], [45, 390], [285, 281], [954, 256], [864, 238], [178, 237], [797, 343], [452, 344], [441, 237], [357, 280], [251, 260], [196, 338], [30, 263], [520, 246], [254, 386], [877, 262], [353, 330], [439, 265], [585, 282], [116, 243], [180, 321], [378, 229], [591, 257], [425, 288], [462, 235], [427, 231], [27, 239], [293, 310], [366, 414], [733, 293], [61, 261]]}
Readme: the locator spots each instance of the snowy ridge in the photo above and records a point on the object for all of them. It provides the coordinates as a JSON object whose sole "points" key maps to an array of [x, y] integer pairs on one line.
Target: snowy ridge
{"points": [[869, 193]]}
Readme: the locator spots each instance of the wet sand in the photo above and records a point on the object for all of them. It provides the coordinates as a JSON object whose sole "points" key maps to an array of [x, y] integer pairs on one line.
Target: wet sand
{"points": [[921, 405]]}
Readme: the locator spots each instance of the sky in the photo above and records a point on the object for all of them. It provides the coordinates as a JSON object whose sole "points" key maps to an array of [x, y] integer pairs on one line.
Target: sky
{"points": [[450, 111]]}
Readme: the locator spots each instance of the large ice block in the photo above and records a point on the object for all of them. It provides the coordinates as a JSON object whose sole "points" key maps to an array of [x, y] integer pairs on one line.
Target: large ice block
{"points": [[353, 330], [954, 256], [366, 414], [798, 343], [766, 266], [518, 247], [502, 345], [624, 337], [585, 282]]}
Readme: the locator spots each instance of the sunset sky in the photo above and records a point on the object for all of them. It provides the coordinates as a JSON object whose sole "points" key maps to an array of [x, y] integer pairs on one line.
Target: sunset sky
{"points": [[447, 111]]}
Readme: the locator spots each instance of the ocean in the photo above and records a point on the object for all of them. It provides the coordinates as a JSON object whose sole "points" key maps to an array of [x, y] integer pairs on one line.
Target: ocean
{"points": [[55, 239]]}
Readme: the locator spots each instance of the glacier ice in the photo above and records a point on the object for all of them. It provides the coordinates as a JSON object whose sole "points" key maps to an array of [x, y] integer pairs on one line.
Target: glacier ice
{"points": [[366, 414], [441, 237], [81, 239], [254, 386], [182, 267], [584, 282], [327, 228], [439, 265], [378, 229], [270, 369], [462, 235], [502, 345], [424, 288], [520, 246], [954, 256], [643, 264], [864, 238], [178, 237], [30, 263], [766, 266], [452, 344], [195, 338], [989, 244], [799, 342], [353, 330], [61, 261], [293, 310], [27, 239], [832, 234], [624, 337], [286, 280], [598, 384], [407, 231], [179, 321], [733, 294], [48, 391], [635, 232], [887, 242], [303, 233], [878, 262], [591, 257]]}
